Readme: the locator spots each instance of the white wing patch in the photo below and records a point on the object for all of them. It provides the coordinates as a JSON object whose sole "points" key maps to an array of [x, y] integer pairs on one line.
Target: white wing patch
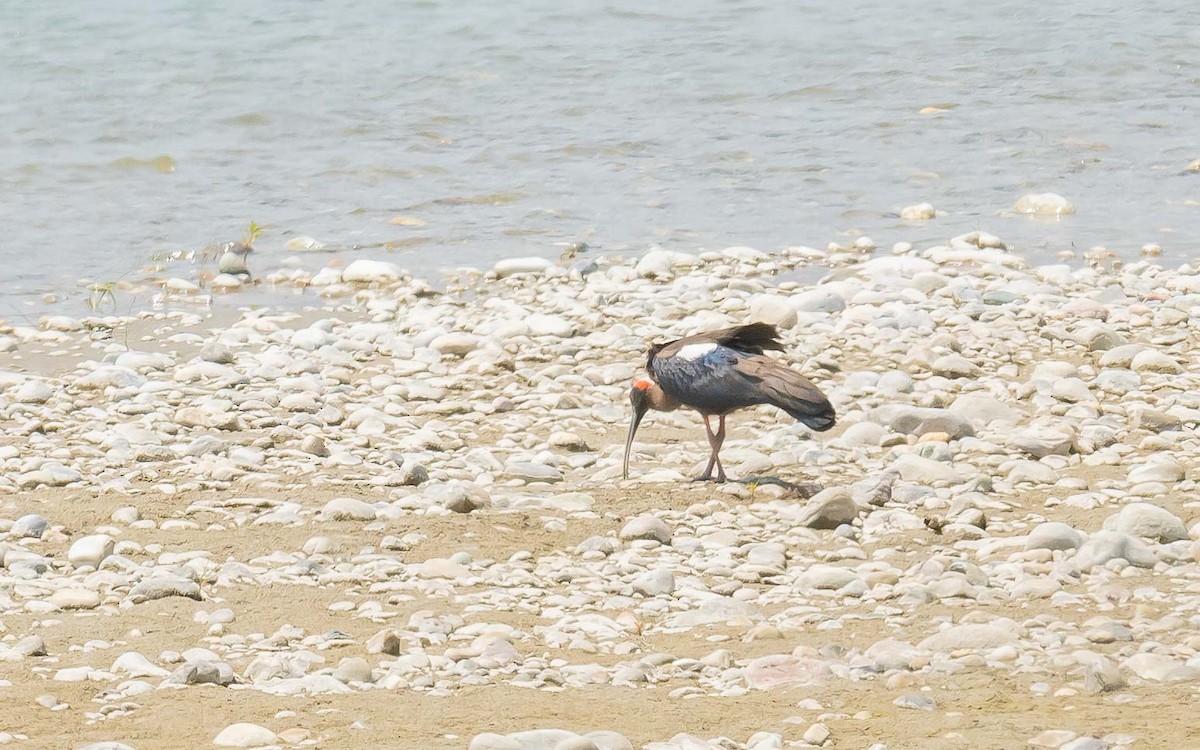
{"points": [[692, 352]]}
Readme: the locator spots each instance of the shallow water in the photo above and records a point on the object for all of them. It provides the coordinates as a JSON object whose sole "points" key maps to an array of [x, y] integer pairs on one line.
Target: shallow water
{"points": [[134, 129]]}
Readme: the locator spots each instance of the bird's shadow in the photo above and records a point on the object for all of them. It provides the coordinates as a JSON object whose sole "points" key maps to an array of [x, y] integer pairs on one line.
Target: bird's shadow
{"points": [[803, 490]]}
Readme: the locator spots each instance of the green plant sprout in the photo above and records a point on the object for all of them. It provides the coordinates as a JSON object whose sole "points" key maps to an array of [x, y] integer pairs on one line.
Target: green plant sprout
{"points": [[100, 293], [253, 232]]}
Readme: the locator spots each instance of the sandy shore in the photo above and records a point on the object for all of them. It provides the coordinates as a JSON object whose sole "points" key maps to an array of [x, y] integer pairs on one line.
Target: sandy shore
{"points": [[398, 521]]}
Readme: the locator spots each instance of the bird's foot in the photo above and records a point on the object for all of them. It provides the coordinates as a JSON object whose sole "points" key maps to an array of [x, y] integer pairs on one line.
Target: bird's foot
{"points": [[710, 478]]}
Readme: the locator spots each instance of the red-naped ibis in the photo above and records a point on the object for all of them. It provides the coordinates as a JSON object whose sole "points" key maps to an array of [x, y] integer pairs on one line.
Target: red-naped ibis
{"points": [[717, 373]]}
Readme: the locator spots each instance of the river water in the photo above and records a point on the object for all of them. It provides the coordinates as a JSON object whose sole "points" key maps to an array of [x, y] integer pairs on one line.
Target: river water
{"points": [[132, 129]]}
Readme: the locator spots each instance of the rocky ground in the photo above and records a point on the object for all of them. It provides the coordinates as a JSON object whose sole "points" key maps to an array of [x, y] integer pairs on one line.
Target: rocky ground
{"points": [[398, 521]]}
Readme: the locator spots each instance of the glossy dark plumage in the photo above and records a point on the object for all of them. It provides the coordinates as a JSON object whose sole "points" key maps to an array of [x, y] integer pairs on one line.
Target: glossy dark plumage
{"points": [[717, 373], [736, 374]]}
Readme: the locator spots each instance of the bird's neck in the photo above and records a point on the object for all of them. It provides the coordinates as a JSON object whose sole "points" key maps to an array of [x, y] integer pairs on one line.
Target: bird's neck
{"points": [[659, 400]]}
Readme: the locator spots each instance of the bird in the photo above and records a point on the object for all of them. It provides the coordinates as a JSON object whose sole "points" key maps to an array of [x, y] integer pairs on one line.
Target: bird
{"points": [[233, 260], [717, 373]]}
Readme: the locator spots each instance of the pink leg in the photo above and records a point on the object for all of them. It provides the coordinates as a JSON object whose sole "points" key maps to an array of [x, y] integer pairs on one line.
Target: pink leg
{"points": [[715, 439], [719, 440]]}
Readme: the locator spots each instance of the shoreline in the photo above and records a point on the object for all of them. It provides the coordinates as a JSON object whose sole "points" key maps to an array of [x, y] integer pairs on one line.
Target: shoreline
{"points": [[411, 496]]}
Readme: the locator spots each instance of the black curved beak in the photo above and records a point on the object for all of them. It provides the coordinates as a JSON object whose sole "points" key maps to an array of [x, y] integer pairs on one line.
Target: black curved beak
{"points": [[641, 404]]}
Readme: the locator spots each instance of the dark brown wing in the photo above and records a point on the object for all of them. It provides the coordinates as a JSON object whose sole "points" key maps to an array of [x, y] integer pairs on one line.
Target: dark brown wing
{"points": [[782, 386]]}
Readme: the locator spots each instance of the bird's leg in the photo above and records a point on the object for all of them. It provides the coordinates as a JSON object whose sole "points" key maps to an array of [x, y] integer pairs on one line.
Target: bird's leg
{"points": [[718, 441], [712, 459]]}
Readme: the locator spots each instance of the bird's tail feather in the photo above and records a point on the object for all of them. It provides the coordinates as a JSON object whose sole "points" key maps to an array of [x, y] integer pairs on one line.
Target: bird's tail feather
{"points": [[792, 392], [753, 338]]}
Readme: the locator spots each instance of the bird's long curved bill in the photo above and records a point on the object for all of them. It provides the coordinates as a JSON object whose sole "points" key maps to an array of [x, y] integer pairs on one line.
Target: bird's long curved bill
{"points": [[633, 425]]}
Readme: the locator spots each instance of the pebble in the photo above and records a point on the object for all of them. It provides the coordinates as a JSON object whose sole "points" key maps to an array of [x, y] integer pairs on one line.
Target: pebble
{"points": [[918, 212], [30, 525], [245, 735], [646, 527], [1044, 204], [828, 509], [371, 271], [90, 550], [1147, 520]]}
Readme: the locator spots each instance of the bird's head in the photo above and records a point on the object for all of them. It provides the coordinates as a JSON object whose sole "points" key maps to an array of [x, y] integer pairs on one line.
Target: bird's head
{"points": [[640, 400]]}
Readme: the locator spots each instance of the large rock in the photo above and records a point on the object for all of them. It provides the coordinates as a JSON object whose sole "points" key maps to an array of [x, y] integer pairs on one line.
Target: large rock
{"points": [[365, 271], [718, 609], [1158, 469], [916, 420], [659, 263], [773, 309], [818, 300], [646, 526], [784, 670], [1044, 441], [161, 588], [245, 735], [968, 636], [30, 526], [531, 472], [1146, 520], [110, 376], [1104, 546], [514, 266], [90, 550], [1053, 535], [914, 468], [1043, 204], [829, 509], [983, 410]]}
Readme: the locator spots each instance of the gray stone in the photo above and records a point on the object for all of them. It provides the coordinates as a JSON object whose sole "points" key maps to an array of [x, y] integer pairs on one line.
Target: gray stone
{"points": [[914, 468], [90, 550], [829, 509], [215, 351], [780, 670], [1041, 442], [1146, 520], [541, 739], [654, 582], [513, 266], [203, 673], [366, 271], [1155, 420], [1157, 469], [161, 588], [245, 735], [1053, 535], [915, 701], [33, 392], [646, 526], [955, 366], [1104, 546], [981, 409], [773, 309], [915, 420], [531, 472], [968, 636], [30, 526], [493, 741], [353, 669], [314, 445], [606, 740], [714, 611], [1154, 361], [348, 509], [818, 300]]}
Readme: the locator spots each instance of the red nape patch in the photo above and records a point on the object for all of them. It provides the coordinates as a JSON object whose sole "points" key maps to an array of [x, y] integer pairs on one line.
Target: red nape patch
{"points": [[642, 384]]}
